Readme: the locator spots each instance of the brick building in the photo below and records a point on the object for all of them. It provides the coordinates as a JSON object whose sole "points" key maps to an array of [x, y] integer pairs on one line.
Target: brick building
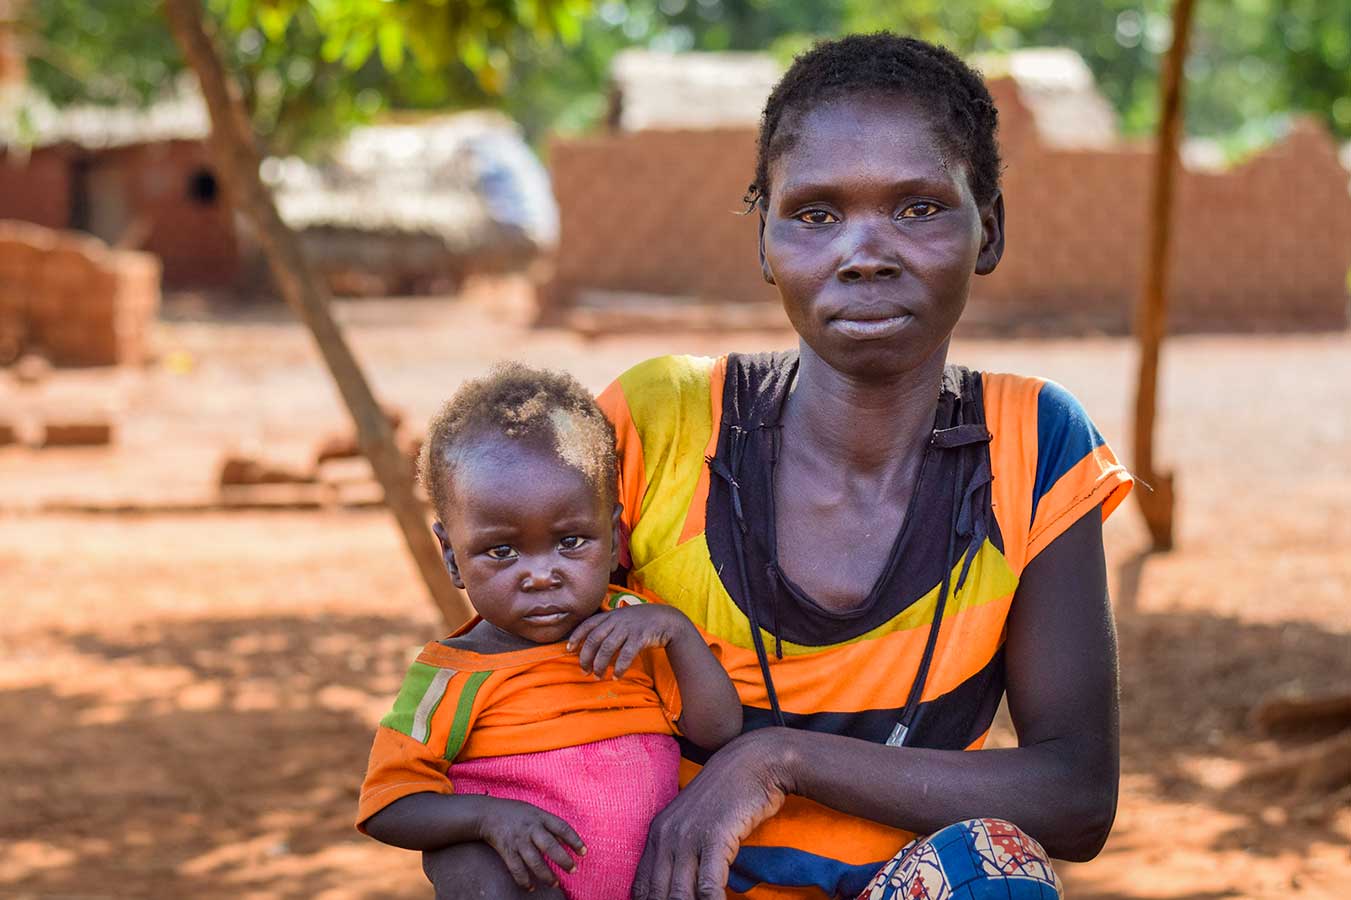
{"points": [[131, 177], [652, 209], [399, 207]]}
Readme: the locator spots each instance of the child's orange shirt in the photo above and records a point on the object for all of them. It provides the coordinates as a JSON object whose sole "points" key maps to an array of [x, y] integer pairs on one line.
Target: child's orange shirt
{"points": [[457, 704]]}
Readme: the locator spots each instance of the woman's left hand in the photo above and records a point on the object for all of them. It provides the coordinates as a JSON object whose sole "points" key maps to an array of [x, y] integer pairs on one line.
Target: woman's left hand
{"points": [[691, 843]]}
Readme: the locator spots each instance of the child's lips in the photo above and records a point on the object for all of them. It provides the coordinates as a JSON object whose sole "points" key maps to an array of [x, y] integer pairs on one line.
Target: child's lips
{"points": [[550, 616]]}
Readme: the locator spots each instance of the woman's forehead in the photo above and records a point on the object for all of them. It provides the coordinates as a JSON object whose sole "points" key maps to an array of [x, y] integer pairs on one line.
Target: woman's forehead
{"points": [[862, 139]]}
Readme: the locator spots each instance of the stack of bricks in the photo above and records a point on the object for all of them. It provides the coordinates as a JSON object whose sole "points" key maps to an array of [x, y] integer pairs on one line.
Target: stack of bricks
{"points": [[71, 298]]}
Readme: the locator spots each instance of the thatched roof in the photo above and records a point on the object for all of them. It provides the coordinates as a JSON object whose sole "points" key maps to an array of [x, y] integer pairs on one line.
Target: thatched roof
{"points": [[29, 120], [691, 90], [1058, 88], [456, 177]]}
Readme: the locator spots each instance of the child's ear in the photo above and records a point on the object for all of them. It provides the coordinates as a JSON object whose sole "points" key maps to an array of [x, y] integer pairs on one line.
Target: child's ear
{"points": [[992, 235], [764, 263], [448, 554]]}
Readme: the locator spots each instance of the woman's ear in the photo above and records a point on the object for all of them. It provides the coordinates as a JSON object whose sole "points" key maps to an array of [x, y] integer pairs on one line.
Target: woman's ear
{"points": [[992, 235], [764, 263], [448, 554]]}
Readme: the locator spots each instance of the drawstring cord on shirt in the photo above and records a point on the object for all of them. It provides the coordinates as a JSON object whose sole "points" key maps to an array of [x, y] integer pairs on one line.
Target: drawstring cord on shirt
{"points": [[963, 521], [717, 467]]}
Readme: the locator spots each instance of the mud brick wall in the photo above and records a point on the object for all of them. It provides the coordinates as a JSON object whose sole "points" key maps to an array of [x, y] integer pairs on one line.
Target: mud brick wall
{"points": [[72, 298], [657, 212], [193, 236], [1263, 246], [35, 187]]}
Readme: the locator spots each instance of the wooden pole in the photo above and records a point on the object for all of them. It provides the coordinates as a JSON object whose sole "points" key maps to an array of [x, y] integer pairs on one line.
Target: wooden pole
{"points": [[1151, 324], [235, 149]]}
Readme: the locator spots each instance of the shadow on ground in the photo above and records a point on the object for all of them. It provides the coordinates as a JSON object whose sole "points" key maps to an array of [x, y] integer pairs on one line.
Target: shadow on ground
{"points": [[223, 756], [234, 777], [1188, 684]]}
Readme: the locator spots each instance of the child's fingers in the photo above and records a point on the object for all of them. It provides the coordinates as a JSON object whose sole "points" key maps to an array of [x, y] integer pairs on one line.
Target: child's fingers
{"points": [[586, 657], [530, 855], [564, 831], [579, 634], [626, 656], [610, 646], [516, 866], [551, 847]]}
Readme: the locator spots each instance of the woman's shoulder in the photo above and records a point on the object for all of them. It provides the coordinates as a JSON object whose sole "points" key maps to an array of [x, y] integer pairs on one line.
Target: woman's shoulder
{"points": [[1031, 401], [1049, 460], [668, 376], [664, 389]]}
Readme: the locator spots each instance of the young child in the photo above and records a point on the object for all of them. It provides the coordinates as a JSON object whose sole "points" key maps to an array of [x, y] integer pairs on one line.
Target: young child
{"points": [[508, 732]]}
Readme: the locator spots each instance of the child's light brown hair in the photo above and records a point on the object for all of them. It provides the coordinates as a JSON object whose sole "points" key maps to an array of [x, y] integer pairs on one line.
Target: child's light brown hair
{"points": [[520, 403]]}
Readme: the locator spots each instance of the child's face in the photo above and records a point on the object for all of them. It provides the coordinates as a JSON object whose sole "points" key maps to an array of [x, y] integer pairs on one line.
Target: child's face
{"points": [[529, 538], [872, 235]]}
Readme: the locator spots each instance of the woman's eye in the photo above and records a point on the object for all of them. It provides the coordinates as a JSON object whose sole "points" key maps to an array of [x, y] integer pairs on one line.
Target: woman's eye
{"points": [[816, 217], [572, 542], [504, 551], [920, 210]]}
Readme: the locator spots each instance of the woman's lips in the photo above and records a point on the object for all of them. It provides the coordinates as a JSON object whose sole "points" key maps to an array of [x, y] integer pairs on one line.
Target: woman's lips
{"points": [[870, 329]]}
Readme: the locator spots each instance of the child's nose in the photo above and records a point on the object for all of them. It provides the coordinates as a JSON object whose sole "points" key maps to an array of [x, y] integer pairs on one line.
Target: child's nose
{"points": [[540, 576]]}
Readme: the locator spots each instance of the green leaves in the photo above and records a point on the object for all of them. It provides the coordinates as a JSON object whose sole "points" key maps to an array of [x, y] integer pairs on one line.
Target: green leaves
{"points": [[312, 68]]}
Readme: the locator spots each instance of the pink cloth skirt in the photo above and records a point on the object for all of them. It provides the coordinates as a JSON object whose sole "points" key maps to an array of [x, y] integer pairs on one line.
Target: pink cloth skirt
{"points": [[608, 791]]}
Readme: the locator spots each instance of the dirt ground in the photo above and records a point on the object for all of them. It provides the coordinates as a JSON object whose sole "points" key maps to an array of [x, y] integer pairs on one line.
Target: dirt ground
{"points": [[188, 697]]}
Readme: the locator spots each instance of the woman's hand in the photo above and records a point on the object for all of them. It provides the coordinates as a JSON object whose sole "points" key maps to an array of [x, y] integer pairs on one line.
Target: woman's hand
{"points": [[691, 843]]}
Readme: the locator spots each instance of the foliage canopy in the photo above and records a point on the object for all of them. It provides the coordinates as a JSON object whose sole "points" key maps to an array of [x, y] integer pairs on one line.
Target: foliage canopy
{"points": [[311, 68]]}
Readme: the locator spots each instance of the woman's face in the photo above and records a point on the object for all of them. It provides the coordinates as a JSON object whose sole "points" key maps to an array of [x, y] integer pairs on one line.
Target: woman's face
{"points": [[871, 235]]}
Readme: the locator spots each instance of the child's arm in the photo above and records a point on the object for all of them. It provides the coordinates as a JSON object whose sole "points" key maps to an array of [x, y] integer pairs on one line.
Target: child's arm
{"points": [[711, 713], [522, 834]]}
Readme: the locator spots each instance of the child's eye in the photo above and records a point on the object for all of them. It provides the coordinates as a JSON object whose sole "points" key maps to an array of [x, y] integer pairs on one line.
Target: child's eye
{"points": [[502, 551], [921, 210], [816, 217], [572, 542]]}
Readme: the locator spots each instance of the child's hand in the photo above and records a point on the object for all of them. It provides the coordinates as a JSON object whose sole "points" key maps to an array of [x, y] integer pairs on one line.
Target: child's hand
{"points": [[523, 834], [620, 635]]}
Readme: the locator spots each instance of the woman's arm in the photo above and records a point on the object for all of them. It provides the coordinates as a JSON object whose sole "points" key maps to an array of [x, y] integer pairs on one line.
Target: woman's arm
{"points": [[1059, 784]]}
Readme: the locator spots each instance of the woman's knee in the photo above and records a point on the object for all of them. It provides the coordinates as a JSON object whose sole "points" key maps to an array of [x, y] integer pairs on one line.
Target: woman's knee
{"points": [[474, 871], [987, 857]]}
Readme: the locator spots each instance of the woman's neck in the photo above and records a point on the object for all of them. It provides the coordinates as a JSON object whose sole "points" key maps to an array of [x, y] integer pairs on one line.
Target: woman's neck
{"points": [[863, 425]]}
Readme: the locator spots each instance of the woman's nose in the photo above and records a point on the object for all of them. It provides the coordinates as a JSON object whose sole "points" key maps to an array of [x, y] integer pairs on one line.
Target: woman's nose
{"points": [[869, 258], [868, 270]]}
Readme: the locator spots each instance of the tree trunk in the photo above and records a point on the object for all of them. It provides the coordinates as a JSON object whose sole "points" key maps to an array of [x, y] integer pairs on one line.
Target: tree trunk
{"points": [[1157, 498], [233, 144]]}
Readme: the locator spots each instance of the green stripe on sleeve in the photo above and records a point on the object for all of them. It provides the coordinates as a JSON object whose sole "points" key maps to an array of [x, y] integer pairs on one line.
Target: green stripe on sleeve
{"points": [[459, 728], [421, 690]]}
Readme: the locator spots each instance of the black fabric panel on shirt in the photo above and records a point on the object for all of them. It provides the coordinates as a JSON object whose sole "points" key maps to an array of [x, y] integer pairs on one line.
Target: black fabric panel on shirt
{"points": [[753, 397], [949, 722]]}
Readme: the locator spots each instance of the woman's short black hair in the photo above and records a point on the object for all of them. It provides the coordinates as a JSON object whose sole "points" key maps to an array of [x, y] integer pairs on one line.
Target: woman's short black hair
{"points": [[889, 65]]}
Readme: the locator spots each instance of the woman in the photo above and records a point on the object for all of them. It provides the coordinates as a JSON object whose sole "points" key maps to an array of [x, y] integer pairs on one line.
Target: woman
{"points": [[876, 544]]}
